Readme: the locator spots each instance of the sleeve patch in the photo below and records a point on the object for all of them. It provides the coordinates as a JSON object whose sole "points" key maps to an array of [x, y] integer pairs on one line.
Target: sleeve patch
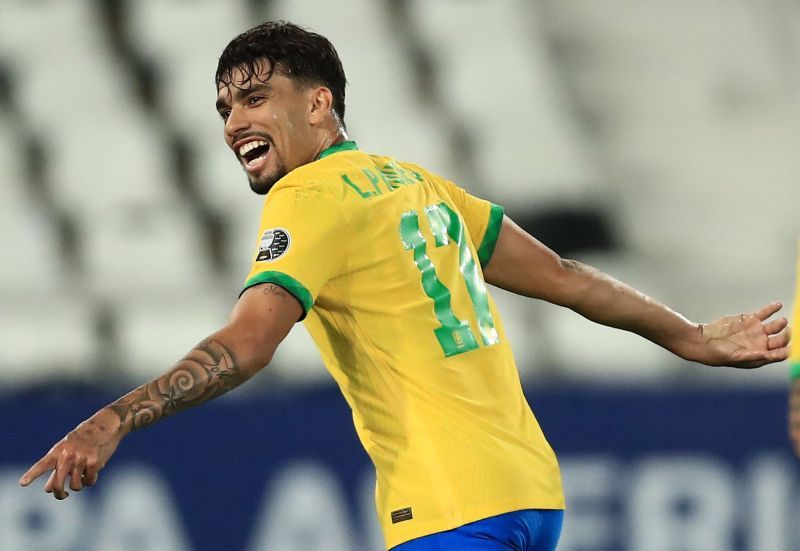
{"points": [[274, 243]]}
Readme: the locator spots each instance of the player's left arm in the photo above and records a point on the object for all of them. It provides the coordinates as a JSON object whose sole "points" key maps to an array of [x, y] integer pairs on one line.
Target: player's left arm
{"points": [[523, 265]]}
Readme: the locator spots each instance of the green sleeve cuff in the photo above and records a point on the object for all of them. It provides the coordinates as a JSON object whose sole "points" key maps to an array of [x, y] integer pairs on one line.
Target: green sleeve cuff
{"points": [[491, 234], [794, 370], [297, 289]]}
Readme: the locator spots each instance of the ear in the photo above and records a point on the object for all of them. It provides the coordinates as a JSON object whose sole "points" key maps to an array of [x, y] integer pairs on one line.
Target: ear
{"points": [[321, 105]]}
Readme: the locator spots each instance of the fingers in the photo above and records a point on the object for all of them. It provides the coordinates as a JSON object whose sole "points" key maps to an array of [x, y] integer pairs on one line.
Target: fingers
{"points": [[781, 340], [76, 476], [90, 474], [758, 358], [48, 486], [37, 469], [777, 355], [766, 311], [63, 468], [775, 326]]}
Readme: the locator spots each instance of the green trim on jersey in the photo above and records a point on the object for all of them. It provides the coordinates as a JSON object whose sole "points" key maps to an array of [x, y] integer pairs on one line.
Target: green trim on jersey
{"points": [[289, 283], [794, 371], [489, 242], [349, 145]]}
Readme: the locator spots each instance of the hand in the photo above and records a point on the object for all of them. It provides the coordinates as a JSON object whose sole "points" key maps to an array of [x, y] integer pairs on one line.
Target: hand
{"points": [[80, 455], [794, 416], [745, 341]]}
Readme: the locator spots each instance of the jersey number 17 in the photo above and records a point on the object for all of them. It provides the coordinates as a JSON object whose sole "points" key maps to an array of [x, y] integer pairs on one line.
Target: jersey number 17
{"points": [[454, 335]]}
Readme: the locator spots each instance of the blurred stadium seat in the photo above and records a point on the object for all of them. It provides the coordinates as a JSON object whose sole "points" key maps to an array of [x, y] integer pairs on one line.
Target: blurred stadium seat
{"points": [[12, 165], [184, 40], [106, 166], [151, 249], [32, 258], [47, 339], [501, 82]]}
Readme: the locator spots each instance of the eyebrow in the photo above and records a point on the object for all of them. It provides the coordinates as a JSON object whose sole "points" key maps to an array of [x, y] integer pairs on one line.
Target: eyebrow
{"points": [[241, 93]]}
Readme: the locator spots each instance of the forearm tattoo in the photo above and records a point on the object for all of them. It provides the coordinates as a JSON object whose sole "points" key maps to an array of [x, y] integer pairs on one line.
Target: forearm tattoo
{"points": [[207, 371]]}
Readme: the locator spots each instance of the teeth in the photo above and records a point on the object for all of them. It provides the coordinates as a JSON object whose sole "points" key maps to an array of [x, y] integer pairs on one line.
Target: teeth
{"points": [[249, 146]]}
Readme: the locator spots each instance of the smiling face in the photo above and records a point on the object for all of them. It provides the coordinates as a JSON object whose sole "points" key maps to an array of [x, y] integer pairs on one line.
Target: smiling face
{"points": [[273, 124]]}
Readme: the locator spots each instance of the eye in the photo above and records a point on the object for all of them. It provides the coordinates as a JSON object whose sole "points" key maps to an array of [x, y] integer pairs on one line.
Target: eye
{"points": [[225, 114], [255, 100]]}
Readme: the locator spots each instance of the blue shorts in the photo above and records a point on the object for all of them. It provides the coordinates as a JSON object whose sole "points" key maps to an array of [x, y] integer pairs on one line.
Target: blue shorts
{"points": [[527, 530]]}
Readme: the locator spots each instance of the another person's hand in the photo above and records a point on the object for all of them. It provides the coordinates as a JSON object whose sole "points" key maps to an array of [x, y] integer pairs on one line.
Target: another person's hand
{"points": [[80, 455], [794, 416], [745, 341]]}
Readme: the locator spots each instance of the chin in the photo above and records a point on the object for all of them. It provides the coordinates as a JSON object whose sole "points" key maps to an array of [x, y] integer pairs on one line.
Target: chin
{"points": [[262, 184]]}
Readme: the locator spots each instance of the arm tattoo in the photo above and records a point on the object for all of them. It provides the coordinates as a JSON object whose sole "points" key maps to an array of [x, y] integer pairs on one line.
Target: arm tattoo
{"points": [[207, 371], [272, 289]]}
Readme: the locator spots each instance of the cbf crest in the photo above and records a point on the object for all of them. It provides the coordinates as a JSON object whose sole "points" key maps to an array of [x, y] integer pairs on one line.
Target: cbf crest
{"points": [[273, 244]]}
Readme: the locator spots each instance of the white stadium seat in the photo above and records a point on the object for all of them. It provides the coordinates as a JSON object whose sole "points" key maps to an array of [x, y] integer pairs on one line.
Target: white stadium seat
{"points": [[98, 166], [500, 82], [185, 40], [155, 249], [30, 29], [45, 338], [12, 164], [30, 249], [63, 66]]}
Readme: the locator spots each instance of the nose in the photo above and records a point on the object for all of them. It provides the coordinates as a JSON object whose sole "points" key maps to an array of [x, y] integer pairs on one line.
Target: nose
{"points": [[237, 122]]}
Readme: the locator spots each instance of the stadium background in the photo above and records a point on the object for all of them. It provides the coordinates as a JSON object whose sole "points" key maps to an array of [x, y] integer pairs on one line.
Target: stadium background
{"points": [[655, 140]]}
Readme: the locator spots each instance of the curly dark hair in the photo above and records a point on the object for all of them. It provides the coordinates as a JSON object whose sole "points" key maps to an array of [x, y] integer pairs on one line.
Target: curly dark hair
{"points": [[302, 55]]}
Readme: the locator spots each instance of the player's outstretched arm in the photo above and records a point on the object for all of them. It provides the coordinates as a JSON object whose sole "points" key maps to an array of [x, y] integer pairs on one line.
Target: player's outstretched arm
{"points": [[260, 321], [525, 266]]}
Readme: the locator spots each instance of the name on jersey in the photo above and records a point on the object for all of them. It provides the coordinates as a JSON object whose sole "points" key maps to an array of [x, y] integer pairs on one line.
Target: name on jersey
{"points": [[389, 178]]}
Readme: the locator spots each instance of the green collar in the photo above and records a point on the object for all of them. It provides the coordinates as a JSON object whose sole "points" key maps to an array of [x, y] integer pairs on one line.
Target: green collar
{"points": [[336, 148]]}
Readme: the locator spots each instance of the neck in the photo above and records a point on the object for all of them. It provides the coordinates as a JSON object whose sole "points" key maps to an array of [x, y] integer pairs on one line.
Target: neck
{"points": [[331, 138]]}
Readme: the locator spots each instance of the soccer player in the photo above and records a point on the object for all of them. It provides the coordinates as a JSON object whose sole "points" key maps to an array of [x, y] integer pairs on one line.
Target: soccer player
{"points": [[387, 264]]}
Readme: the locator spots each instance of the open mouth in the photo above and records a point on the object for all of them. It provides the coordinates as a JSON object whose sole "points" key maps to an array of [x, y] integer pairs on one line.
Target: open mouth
{"points": [[253, 153]]}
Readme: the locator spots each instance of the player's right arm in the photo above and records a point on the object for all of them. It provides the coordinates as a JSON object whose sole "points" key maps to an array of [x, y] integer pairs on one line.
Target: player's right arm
{"points": [[525, 266], [260, 320]]}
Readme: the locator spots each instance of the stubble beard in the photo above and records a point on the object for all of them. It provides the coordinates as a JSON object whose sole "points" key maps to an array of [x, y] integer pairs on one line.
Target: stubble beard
{"points": [[262, 184]]}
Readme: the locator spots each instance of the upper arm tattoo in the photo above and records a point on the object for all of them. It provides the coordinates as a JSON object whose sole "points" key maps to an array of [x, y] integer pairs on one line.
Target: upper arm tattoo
{"points": [[272, 289], [208, 370]]}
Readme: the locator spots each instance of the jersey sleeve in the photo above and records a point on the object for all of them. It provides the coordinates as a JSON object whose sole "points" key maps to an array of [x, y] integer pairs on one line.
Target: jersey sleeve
{"points": [[301, 243], [483, 218]]}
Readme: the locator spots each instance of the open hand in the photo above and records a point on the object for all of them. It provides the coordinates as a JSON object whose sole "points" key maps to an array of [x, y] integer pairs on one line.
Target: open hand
{"points": [[747, 340], [80, 455]]}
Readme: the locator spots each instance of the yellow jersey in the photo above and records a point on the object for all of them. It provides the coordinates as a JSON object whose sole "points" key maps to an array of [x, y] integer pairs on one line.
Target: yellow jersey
{"points": [[386, 259]]}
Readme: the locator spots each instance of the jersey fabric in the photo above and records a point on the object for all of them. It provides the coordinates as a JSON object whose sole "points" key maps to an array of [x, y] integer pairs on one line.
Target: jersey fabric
{"points": [[527, 530], [794, 356], [386, 259]]}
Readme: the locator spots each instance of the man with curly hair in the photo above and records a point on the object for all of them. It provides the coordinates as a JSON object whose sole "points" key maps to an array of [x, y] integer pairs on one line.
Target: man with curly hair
{"points": [[388, 265]]}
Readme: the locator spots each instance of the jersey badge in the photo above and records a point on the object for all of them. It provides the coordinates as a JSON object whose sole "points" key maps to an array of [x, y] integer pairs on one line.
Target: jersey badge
{"points": [[274, 243]]}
